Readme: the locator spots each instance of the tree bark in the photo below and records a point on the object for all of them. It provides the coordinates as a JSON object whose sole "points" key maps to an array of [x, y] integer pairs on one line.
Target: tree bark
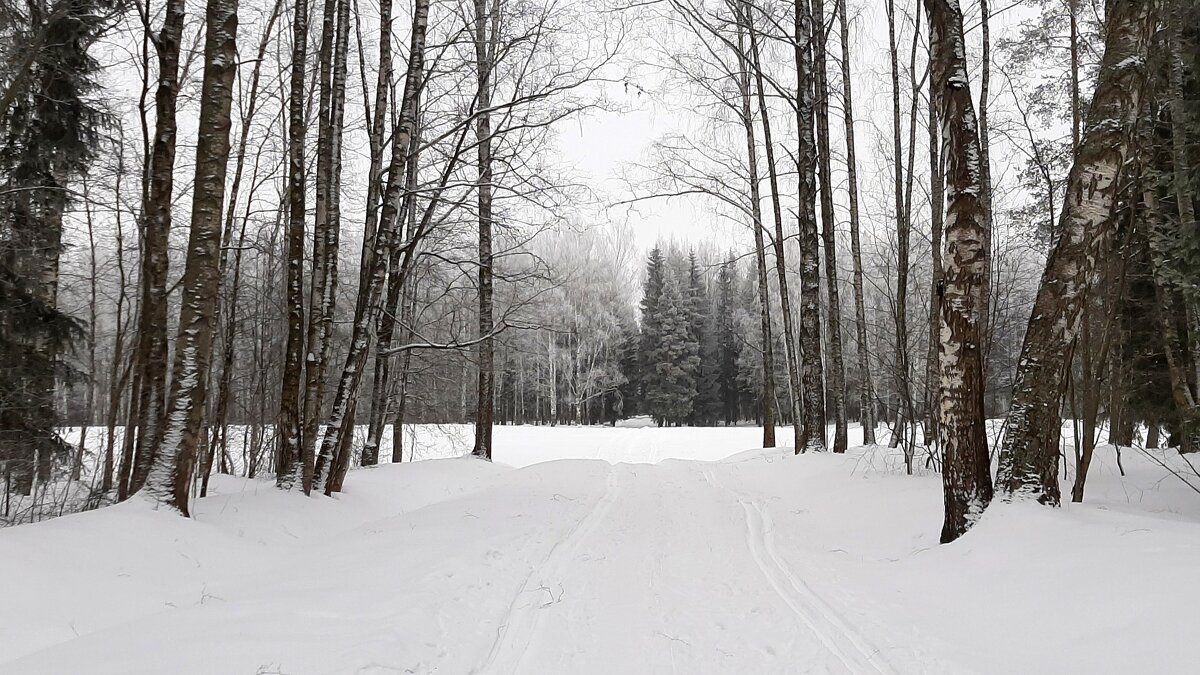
{"points": [[322, 298], [937, 183], [294, 459], [760, 249], [170, 480], [378, 413], [485, 53], [151, 355], [331, 469], [1029, 455], [900, 313], [966, 469], [813, 432]]}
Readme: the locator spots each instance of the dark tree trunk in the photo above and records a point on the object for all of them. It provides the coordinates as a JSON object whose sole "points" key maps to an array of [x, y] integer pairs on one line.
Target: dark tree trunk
{"points": [[294, 460], [789, 334], [485, 353], [866, 390], [151, 355], [835, 372]]}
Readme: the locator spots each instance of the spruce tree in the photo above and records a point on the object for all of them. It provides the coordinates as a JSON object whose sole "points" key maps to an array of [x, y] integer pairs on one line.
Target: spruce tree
{"points": [[670, 394], [700, 313], [652, 290], [726, 341], [50, 131]]}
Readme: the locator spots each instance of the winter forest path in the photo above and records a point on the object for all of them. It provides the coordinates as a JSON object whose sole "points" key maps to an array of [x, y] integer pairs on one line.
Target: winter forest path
{"points": [[588, 551], [671, 572], [459, 566]]}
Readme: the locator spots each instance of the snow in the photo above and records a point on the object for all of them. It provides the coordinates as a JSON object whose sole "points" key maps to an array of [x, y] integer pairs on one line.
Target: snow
{"points": [[613, 550]]}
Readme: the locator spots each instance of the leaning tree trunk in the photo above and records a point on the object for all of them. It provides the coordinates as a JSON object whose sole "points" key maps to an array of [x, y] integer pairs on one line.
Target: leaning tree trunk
{"points": [[331, 468], [170, 479], [966, 472], [378, 412], [789, 334], [836, 371], [151, 351], [813, 433], [293, 462], [1029, 455], [866, 395]]}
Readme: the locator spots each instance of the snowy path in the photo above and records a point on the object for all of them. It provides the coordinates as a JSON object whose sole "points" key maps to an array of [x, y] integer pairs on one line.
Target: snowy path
{"points": [[760, 563], [649, 582]]}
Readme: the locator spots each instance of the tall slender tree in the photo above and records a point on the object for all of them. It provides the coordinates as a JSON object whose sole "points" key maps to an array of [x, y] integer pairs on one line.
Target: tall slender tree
{"points": [[866, 391], [785, 302], [835, 371], [812, 380], [294, 461], [485, 33]]}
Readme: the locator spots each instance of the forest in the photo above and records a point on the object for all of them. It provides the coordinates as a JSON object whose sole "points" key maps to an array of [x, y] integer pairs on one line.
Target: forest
{"points": [[599, 335], [287, 242], [299, 221]]}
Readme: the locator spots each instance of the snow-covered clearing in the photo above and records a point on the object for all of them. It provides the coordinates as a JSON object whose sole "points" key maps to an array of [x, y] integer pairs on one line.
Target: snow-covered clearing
{"points": [[758, 562]]}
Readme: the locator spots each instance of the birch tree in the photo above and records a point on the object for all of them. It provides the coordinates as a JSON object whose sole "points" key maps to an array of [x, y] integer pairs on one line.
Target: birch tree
{"points": [[962, 437], [1030, 451], [170, 480]]}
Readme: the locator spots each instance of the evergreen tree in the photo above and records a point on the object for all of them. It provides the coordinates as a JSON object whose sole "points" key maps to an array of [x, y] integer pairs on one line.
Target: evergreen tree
{"points": [[726, 342], [50, 132], [629, 395], [670, 393], [651, 337], [705, 401]]}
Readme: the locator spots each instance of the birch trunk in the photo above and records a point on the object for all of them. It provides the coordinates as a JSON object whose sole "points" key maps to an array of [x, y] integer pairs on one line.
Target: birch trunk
{"points": [[760, 249], [813, 388], [170, 480], [966, 470], [1029, 455], [322, 299], [937, 183], [331, 470], [370, 454], [484, 55], [151, 354]]}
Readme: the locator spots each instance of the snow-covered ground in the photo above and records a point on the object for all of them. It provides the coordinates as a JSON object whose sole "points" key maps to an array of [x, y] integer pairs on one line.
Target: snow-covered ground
{"points": [[568, 557]]}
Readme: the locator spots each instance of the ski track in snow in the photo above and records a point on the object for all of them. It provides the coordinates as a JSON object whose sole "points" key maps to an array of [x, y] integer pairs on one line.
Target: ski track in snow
{"points": [[842, 640], [519, 628]]}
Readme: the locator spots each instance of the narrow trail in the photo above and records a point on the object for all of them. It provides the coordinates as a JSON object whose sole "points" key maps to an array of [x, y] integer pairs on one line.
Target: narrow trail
{"points": [[543, 588], [840, 638]]}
